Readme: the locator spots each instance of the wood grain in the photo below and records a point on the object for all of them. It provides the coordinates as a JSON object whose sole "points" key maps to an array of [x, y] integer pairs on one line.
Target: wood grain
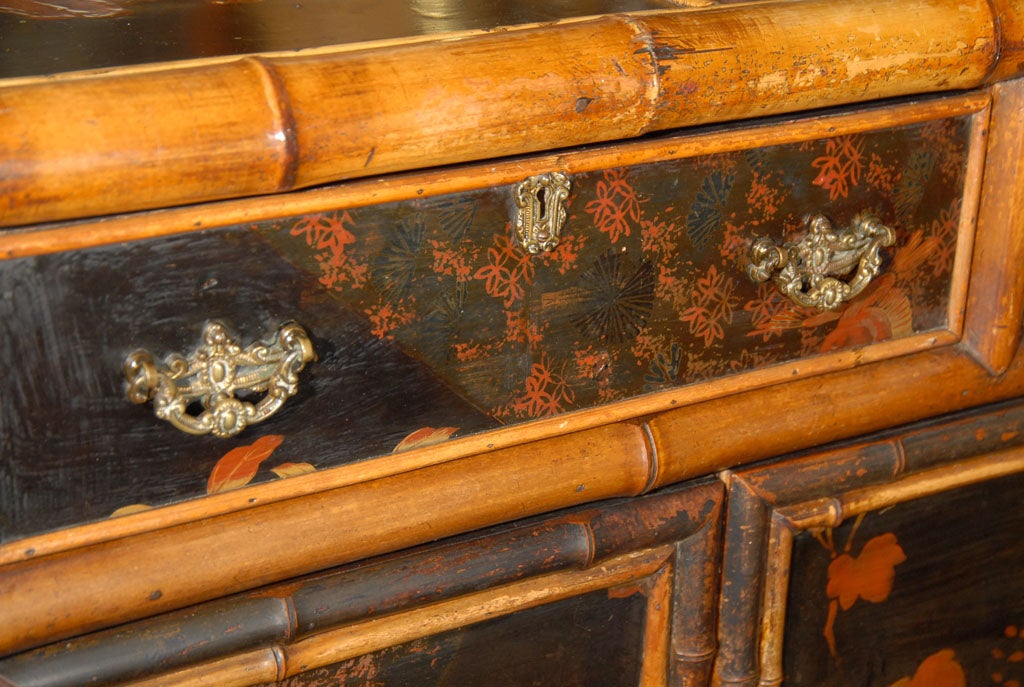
{"points": [[996, 294], [54, 596], [769, 504], [261, 125], [428, 183]]}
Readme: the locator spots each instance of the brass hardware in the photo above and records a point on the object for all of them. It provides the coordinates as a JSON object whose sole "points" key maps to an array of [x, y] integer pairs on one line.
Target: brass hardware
{"points": [[540, 213], [212, 374], [806, 271]]}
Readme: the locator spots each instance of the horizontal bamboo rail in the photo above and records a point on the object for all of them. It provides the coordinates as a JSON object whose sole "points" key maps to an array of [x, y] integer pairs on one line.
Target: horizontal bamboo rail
{"points": [[87, 144]]}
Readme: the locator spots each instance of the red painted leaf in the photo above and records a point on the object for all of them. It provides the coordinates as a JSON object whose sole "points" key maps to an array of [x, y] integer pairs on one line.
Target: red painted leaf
{"points": [[292, 469], [239, 465], [941, 669], [425, 436], [869, 576], [128, 510]]}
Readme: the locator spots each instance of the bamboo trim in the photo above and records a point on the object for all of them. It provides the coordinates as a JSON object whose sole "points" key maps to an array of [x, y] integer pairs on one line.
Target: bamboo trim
{"points": [[657, 628], [362, 638], [92, 588], [636, 93], [936, 480], [994, 311], [241, 670], [971, 198], [407, 186], [776, 592], [497, 440]]}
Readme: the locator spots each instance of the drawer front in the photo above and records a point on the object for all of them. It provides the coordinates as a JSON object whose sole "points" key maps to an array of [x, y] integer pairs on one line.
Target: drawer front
{"points": [[620, 594], [647, 289], [429, 321], [928, 592], [896, 562]]}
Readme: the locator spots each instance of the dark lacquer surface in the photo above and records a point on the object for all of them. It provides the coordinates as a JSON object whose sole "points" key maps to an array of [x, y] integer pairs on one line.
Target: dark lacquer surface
{"points": [[647, 289], [593, 640], [426, 314], [928, 593], [50, 36]]}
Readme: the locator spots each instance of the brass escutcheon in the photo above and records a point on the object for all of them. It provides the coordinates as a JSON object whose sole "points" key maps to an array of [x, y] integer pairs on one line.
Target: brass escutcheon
{"points": [[807, 270], [213, 373], [540, 211]]}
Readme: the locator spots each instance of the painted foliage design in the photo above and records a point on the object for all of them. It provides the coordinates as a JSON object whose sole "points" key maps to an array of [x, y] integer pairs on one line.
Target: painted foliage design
{"points": [[924, 593], [647, 289]]}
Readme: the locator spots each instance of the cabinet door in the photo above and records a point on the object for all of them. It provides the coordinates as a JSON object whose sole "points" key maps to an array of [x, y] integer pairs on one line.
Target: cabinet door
{"points": [[619, 594], [894, 563]]}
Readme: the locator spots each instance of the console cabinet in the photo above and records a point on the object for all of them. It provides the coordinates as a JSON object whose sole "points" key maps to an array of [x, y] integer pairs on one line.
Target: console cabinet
{"points": [[587, 343]]}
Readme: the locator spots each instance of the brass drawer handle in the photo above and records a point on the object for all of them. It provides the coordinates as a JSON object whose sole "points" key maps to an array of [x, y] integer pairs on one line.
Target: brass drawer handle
{"points": [[540, 211], [807, 270], [213, 373]]}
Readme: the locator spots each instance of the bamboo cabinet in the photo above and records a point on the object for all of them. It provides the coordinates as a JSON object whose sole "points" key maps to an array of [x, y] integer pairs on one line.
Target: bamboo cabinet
{"points": [[602, 343]]}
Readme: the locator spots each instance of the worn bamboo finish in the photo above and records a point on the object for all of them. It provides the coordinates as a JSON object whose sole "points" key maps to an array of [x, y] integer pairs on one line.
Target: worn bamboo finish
{"points": [[16, 244], [151, 138], [399, 187], [241, 670], [54, 596], [767, 505], [57, 593], [766, 422], [656, 545], [996, 295]]}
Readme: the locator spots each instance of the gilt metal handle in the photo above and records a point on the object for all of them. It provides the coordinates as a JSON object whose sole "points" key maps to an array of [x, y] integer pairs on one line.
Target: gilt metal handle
{"points": [[212, 375], [807, 270]]}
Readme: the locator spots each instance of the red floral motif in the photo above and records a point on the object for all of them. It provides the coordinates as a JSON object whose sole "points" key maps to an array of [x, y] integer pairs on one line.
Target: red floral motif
{"points": [[615, 206], [940, 136], [712, 308], [450, 261], [507, 272], [658, 237], [868, 576], [840, 167], [1008, 660], [880, 175], [547, 393], [944, 231], [329, 234], [941, 669], [563, 257], [519, 329], [772, 312], [385, 317], [764, 197]]}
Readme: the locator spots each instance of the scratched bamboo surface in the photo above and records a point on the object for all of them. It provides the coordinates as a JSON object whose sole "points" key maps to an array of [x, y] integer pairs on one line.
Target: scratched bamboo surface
{"points": [[156, 136]]}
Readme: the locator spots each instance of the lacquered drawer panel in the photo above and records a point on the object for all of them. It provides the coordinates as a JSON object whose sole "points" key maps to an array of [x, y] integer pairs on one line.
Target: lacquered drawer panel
{"points": [[425, 313], [619, 593], [895, 561], [647, 289]]}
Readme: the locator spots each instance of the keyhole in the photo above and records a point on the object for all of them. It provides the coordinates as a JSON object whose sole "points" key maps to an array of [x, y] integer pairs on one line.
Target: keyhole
{"points": [[541, 199]]}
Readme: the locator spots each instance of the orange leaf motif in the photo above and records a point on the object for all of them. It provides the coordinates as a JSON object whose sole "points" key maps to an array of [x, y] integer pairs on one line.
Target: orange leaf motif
{"points": [[292, 469], [425, 436], [239, 465], [128, 510], [869, 576], [938, 670]]}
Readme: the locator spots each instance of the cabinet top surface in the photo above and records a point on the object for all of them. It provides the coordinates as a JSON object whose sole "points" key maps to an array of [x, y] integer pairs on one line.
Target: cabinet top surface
{"points": [[41, 38]]}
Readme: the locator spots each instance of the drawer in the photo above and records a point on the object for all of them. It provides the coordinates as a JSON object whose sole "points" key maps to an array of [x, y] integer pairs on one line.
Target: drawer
{"points": [[892, 562], [622, 593], [429, 321]]}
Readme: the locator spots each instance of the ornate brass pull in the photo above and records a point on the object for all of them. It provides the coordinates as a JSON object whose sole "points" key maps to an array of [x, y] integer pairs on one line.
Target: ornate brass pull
{"points": [[213, 373], [807, 270], [540, 211]]}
